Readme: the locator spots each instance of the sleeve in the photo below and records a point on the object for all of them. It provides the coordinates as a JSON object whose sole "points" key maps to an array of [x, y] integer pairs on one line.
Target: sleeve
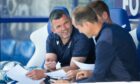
{"points": [[104, 57], [81, 47], [50, 44]]}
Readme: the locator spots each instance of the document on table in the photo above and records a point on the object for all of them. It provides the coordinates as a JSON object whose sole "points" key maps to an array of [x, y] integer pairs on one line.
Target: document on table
{"points": [[59, 74], [84, 66], [19, 74]]}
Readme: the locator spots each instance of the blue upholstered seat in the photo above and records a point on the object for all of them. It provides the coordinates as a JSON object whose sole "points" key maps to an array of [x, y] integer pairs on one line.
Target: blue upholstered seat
{"points": [[138, 37], [120, 17], [13, 50], [6, 49], [23, 51]]}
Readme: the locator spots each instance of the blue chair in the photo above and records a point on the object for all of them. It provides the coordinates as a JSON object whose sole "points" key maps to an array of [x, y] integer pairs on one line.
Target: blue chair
{"points": [[7, 49], [135, 33], [38, 37], [13, 50], [23, 51], [119, 16], [138, 32], [138, 37]]}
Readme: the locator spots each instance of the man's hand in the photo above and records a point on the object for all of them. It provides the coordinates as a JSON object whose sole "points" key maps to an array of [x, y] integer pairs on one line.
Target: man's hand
{"points": [[71, 74], [61, 82], [83, 74], [50, 65], [73, 66], [36, 74]]}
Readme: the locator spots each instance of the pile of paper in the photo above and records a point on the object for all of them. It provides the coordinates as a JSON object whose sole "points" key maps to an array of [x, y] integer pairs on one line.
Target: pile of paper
{"points": [[18, 73], [59, 74]]}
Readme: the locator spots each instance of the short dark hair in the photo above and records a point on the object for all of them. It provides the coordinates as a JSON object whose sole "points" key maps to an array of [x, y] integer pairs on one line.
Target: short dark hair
{"points": [[81, 14], [99, 6], [57, 14]]}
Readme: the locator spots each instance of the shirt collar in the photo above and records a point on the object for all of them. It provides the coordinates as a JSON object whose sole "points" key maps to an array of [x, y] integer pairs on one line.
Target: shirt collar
{"points": [[58, 39], [97, 37]]}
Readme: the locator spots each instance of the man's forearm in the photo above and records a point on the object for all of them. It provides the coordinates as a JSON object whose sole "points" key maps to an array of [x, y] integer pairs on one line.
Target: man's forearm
{"points": [[72, 65]]}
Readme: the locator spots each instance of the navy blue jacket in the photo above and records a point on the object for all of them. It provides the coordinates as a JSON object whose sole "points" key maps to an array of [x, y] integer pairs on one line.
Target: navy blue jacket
{"points": [[115, 56]]}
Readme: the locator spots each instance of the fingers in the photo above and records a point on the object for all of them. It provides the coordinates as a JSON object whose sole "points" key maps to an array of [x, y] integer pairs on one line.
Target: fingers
{"points": [[50, 65], [71, 74], [80, 75], [36, 74], [61, 82], [29, 74], [34, 77]]}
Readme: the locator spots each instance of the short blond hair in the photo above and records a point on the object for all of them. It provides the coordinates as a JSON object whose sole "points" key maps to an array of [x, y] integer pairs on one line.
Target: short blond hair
{"points": [[84, 13]]}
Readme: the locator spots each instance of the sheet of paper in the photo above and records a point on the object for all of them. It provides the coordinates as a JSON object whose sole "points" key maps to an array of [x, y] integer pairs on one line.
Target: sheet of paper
{"points": [[59, 74], [19, 74], [84, 66]]}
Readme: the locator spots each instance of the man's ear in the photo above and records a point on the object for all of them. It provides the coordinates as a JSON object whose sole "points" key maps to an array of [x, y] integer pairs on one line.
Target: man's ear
{"points": [[87, 24], [53, 30], [105, 16]]}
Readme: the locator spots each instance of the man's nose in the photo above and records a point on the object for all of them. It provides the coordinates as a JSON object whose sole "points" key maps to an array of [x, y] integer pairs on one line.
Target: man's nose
{"points": [[64, 27]]}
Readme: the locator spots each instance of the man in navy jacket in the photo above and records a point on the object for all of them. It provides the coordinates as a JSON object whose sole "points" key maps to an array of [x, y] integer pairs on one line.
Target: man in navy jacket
{"points": [[115, 50]]}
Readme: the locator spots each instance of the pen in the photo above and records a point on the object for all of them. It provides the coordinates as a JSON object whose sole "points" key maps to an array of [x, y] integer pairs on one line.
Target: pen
{"points": [[48, 77], [53, 78]]}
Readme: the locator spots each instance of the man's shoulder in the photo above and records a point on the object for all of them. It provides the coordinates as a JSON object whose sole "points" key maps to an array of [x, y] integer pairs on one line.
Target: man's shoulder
{"points": [[81, 39], [77, 35], [110, 32], [52, 36], [106, 35]]}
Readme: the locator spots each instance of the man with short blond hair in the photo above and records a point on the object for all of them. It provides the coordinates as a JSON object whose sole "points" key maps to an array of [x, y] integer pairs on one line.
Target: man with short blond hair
{"points": [[115, 50]]}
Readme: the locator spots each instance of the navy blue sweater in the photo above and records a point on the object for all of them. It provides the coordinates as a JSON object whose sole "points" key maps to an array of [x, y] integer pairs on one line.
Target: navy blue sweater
{"points": [[115, 56]]}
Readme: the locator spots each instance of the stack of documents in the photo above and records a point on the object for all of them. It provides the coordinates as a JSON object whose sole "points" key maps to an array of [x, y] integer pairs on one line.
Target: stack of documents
{"points": [[18, 73], [59, 74]]}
